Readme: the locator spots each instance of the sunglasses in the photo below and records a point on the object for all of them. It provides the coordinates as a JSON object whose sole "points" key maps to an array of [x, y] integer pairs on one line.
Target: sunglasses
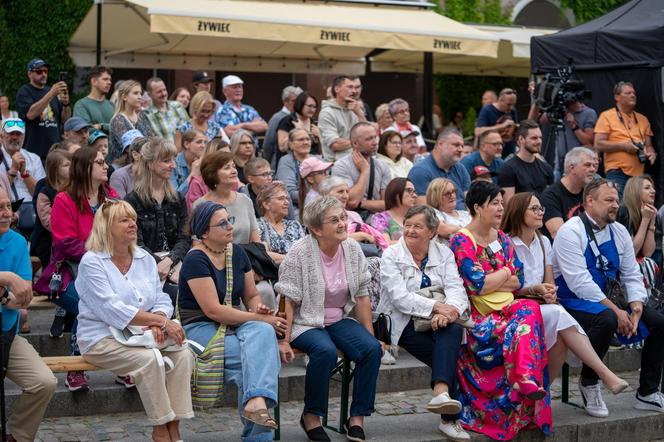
{"points": [[225, 224], [40, 71], [99, 162], [13, 123]]}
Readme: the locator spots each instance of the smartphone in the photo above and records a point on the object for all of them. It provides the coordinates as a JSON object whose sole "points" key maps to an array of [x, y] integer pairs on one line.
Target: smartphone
{"points": [[63, 76]]}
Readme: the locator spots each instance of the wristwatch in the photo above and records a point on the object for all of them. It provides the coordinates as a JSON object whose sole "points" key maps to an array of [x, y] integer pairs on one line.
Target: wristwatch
{"points": [[25, 174]]}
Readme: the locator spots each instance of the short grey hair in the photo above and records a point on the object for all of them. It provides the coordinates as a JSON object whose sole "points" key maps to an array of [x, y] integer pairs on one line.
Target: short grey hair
{"points": [[430, 217], [330, 183], [573, 157], [289, 91], [392, 105], [444, 135], [315, 211]]}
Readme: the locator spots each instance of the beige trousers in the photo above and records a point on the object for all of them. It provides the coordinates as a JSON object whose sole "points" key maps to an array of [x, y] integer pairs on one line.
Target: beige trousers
{"points": [[27, 369], [166, 395]]}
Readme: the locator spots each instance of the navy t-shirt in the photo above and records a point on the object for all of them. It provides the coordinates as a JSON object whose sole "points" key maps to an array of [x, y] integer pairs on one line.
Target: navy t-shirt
{"points": [[44, 130], [489, 116], [196, 264]]}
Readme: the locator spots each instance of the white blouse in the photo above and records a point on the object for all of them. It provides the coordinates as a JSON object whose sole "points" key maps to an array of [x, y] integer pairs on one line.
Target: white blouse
{"points": [[109, 298], [532, 258]]}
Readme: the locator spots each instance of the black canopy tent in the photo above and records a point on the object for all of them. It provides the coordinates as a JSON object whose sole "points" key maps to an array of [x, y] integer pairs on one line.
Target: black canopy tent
{"points": [[627, 44]]}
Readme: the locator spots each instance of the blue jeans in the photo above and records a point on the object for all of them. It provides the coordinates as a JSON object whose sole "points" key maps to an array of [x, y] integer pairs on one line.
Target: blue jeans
{"points": [[69, 301], [439, 350], [321, 346], [620, 178], [251, 361]]}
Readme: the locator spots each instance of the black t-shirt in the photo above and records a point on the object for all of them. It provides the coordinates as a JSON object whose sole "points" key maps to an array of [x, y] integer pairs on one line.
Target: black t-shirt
{"points": [[286, 124], [525, 177], [489, 116], [44, 130], [559, 203], [197, 265]]}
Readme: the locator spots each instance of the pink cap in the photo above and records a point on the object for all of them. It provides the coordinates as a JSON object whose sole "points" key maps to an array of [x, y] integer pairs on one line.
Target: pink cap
{"points": [[313, 164]]}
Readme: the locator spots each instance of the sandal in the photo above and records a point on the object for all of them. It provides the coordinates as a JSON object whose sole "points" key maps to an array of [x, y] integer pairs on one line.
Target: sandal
{"points": [[260, 417]]}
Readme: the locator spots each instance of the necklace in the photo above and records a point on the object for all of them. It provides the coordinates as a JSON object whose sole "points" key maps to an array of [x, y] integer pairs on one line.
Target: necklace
{"points": [[215, 252], [123, 268]]}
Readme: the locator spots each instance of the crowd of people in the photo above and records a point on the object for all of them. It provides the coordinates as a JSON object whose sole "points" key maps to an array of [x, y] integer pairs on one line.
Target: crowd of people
{"points": [[192, 220]]}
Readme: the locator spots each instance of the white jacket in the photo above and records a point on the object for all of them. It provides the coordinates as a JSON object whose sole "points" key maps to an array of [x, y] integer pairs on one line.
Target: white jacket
{"points": [[400, 278]]}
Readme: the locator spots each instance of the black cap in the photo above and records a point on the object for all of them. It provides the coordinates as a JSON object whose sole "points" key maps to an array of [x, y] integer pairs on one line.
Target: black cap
{"points": [[201, 77]]}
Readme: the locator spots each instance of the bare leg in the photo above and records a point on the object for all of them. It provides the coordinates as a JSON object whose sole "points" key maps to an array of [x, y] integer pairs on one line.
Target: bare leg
{"points": [[580, 345], [174, 430], [557, 355], [255, 404], [311, 421], [356, 420], [439, 388], [160, 434]]}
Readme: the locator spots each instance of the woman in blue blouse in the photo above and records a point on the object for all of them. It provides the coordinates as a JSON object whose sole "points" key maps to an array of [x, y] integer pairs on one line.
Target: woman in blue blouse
{"points": [[277, 233]]}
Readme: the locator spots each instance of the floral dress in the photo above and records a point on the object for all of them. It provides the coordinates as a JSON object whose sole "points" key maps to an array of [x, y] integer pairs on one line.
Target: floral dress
{"points": [[505, 352], [280, 243], [384, 223]]}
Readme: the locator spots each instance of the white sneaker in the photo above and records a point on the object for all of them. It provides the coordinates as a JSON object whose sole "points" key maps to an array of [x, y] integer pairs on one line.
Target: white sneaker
{"points": [[651, 402], [592, 399], [453, 431], [388, 359], [444, 404]]}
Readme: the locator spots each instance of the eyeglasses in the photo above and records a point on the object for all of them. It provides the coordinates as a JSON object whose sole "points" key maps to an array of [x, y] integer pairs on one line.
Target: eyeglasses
{"points": [[537, 209], [496, 144], [450, 194], [597, 183], [302, 140], [311, 106], [410, 191], [226, 224], [40, 71], [336, 219], [109, 202], [402, 111], [13, 123], [101, 163], [264, 175]]}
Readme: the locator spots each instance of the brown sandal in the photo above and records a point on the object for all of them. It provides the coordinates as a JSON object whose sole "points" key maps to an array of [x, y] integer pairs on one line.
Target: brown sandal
{"points": [[260, 417]]}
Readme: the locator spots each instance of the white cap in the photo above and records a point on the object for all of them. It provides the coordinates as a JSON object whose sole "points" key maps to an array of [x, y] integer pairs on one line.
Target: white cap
{"points": [[229, 80]]}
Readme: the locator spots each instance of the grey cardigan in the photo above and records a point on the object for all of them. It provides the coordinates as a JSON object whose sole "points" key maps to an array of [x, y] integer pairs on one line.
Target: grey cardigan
{"points": [[301, 280]]}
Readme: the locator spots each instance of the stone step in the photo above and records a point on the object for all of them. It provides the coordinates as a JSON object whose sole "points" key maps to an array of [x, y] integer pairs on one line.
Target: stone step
{"points": [[399, 417]]}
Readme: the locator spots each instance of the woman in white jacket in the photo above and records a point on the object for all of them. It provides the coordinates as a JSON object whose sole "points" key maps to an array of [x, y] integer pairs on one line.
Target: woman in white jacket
{"points": [[414, 263]]}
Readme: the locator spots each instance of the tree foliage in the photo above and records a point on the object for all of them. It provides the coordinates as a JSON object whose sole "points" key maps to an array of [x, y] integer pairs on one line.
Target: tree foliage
{"points": [[36, 29], [586, 10]]}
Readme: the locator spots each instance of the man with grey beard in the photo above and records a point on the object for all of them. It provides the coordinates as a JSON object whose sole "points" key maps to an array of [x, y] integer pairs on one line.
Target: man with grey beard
{"points": [[23, 168]]}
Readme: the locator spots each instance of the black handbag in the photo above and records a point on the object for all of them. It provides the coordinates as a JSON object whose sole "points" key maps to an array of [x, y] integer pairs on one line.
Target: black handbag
{"points": [[382, 328], [261, 262]]}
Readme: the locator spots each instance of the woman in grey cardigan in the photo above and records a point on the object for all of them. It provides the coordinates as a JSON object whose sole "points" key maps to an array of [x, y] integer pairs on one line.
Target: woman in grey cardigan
{"points": [[325, 281]]}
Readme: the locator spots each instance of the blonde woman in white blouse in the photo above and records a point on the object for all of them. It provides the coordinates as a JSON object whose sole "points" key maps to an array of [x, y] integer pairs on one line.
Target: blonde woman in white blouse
{"points": [[522, 220], [442, 196]]}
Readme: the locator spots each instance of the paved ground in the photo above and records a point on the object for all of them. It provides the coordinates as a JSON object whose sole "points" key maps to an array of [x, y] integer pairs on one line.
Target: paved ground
{"points": [[399, 417]]}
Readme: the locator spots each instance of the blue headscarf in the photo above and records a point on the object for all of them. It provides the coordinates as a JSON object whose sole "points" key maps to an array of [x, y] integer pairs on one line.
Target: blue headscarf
{"points": [[200, 219]]}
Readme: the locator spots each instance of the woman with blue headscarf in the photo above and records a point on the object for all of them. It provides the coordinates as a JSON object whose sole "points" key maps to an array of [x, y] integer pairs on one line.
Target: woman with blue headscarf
{"points": [[215, 276]]}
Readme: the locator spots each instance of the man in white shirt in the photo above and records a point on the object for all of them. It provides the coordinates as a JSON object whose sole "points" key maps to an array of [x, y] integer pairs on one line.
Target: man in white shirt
{"points": [[582, 268], [23, 168]]}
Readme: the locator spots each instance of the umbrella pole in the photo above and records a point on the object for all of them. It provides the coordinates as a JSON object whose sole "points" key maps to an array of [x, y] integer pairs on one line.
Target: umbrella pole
{"points": [[427, 97]]}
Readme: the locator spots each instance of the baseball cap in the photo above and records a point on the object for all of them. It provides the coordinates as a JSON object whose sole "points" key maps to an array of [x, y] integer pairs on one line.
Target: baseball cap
{"points": [[74, 124], [95, 135], [479, 171], [201, 77], [229, 80], [407, 133], [129, 136], [13, 125], [36, 63], [313, 164]]}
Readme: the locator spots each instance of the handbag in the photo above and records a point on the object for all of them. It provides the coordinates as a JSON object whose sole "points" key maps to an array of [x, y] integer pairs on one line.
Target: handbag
{"points": [[613, 290], [261, 262], [382, 328], [437, 293], [207, 377]]}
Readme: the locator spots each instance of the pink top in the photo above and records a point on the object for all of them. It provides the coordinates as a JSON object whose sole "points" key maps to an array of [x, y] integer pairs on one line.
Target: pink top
{"points": [[67, 222], [336, 286], [198, 188]]}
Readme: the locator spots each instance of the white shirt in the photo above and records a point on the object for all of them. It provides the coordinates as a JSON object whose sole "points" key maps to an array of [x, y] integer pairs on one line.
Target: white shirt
{"points": [[531, 257], [462, 219], [400, 278], [109, 298], [33, 165], [569, 260]]}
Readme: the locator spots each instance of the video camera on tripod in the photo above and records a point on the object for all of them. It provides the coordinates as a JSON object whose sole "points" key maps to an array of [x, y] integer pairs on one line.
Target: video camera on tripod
{"points": [[556, 91]]}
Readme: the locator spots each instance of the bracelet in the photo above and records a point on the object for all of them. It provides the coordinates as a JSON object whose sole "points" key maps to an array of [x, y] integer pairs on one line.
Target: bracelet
{"points": [[25, 174], [163, 326], [12, 174], [651, 228]]}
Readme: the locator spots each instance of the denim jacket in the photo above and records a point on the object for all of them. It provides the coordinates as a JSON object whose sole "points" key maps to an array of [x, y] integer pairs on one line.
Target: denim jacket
{"points": [[161, 227]]}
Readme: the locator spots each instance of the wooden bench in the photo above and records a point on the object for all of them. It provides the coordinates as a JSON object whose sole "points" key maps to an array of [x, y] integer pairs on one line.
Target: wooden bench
{"points": [[63, 364]]}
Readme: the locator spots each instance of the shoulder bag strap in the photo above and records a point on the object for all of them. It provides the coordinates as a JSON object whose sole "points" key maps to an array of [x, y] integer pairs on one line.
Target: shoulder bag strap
{"points": [[541, 243], [594, 245], [372, 176]]}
